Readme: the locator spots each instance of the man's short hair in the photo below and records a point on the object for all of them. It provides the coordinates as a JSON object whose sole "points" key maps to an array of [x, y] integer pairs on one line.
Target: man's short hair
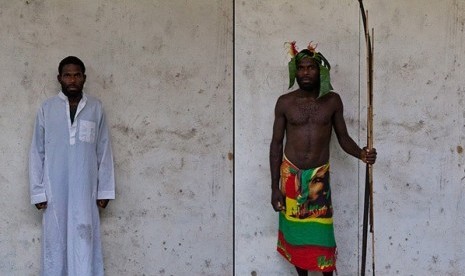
{"points": [[71, 60]]}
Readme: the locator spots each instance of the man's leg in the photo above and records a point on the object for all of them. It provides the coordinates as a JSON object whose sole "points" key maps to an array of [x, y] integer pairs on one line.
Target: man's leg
{"points": [[301, 272]]}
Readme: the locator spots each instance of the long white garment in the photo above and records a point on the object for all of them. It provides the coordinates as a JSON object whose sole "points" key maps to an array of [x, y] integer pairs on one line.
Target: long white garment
{"points": [[70, 167]]}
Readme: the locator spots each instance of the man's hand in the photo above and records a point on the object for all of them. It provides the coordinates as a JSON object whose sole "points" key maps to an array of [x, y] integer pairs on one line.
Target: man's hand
{"points": [[102, 203], [368, 156], [277, 200], [42, 205]]}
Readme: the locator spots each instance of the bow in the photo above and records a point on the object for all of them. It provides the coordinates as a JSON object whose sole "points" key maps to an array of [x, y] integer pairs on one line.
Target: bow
{"points": [[368, 198]]}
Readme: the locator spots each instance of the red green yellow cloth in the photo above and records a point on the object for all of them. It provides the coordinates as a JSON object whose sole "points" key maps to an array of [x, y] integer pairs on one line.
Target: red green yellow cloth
{"points": [[306, 233]]}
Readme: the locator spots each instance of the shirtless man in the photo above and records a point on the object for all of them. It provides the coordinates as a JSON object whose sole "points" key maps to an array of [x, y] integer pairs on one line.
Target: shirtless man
{"points": [[306, 117]]}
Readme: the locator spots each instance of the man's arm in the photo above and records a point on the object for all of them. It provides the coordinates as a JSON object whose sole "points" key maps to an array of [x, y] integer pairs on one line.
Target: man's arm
{"points": [[106, 178], [345, 141], [276, 156], [36, 163]]}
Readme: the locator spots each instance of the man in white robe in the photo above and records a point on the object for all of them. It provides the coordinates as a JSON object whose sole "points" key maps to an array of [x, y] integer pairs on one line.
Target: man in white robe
{"points": [[71, 175]]}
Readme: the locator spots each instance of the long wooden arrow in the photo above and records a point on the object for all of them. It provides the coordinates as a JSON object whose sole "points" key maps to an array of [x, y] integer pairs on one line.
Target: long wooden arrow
{"points": [[368, 198]]}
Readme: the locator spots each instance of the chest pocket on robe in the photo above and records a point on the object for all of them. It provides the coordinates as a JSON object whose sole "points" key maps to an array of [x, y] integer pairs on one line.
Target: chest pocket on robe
{"points": [[87, 131]]}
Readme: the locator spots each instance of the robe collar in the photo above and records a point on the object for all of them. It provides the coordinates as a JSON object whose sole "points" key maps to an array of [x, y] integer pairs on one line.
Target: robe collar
{"points": [[62, 96]]}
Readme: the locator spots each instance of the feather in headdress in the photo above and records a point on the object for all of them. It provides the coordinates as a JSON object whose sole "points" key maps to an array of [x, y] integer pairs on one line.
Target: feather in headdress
{"points": [[296, 56]]}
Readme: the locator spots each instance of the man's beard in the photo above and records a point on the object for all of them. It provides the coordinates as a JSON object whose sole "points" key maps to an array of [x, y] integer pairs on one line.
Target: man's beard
{"points": [[75, 94], [309, 86]]}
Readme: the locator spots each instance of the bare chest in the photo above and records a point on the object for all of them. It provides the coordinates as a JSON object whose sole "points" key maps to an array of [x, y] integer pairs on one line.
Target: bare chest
{"points": [[306, 113]]}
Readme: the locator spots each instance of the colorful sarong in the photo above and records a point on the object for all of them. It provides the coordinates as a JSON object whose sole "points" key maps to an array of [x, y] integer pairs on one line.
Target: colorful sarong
{"points": [[306, 233]]}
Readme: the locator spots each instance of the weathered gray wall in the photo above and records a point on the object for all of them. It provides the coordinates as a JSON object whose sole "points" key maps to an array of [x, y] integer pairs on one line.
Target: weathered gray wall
{"points": [[163, 70], [419, 129]]}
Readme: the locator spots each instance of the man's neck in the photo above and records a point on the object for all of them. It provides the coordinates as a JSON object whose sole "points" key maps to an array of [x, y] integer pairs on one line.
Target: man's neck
{"points": [[313, 93], [73, 105], [73, 99]]}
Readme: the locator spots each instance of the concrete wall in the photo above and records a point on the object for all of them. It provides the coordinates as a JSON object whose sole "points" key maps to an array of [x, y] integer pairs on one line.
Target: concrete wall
{"points": [[163, 70], [419, 129]]}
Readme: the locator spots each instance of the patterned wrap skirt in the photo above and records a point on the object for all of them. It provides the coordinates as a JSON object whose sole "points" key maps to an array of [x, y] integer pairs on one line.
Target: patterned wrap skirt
{"points": [[306, 233]]}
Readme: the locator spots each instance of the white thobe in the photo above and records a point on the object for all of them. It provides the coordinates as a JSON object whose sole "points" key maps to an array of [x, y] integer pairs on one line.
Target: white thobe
{"points": [[70, 167]]}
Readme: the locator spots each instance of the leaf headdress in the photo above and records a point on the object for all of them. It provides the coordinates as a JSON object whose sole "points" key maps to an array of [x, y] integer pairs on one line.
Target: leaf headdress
{"points": [[296, 57]]}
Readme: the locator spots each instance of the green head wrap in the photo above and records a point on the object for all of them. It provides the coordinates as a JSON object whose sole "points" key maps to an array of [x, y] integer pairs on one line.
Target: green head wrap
{"points": [[325, 81]]}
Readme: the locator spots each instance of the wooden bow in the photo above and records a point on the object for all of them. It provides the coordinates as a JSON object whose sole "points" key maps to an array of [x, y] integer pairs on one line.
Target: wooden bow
{"points": [[368, 198]]}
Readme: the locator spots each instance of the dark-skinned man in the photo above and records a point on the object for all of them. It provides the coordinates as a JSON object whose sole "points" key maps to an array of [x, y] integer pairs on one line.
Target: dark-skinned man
{"points": [[71, 173], [301, 193]]}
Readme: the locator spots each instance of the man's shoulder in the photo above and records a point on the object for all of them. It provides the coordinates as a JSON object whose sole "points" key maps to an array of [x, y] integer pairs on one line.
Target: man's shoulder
{"points": [[288, 96], [93, 100], [331, 96], [50, 100], [291, 93], [295, 94]]}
